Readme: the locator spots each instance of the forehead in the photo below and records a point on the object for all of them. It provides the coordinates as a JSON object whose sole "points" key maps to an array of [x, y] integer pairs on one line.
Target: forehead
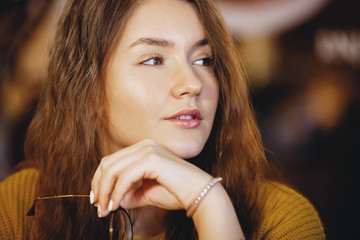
{"points": [[168, 19]]}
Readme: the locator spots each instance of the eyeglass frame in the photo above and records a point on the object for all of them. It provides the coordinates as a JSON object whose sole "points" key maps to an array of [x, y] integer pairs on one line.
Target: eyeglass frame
{"points": [[31, 212]]}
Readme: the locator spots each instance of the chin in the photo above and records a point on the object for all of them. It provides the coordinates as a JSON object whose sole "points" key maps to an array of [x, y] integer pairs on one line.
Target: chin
{"points": [[187, 151]]}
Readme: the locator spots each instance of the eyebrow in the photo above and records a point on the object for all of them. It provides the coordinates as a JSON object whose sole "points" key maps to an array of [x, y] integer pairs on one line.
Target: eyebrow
{"points": [[163, 42]]}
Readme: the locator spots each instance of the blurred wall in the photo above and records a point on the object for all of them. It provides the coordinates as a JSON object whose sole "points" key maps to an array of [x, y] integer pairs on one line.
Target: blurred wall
{"points": [[26, 28]]}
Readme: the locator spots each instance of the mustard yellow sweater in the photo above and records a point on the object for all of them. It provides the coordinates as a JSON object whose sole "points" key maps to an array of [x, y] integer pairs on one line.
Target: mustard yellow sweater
{"points": [[287, 214]]}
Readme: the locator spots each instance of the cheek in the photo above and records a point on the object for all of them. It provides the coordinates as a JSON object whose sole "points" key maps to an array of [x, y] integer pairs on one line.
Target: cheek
{"points": [[212, 93], [125, 89], [133, 100]]}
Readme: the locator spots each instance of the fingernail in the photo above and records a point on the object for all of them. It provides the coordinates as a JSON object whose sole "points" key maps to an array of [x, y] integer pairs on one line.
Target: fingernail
{"points": [[99, 211], [91, 197], [110, 206]]}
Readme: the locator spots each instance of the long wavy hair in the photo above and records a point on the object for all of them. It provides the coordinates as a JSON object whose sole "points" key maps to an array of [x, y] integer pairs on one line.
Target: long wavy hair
{"points": [[63, 138]]}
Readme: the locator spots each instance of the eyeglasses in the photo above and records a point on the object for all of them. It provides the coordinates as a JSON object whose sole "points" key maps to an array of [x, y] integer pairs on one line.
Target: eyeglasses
{"points": [[128, 224]]}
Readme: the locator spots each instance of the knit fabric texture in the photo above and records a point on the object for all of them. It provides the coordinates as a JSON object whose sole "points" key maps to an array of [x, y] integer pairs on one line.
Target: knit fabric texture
{"points": [[17, 193], [287, 214]]}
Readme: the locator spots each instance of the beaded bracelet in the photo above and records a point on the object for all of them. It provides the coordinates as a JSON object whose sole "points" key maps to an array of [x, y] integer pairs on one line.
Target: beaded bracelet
{"points": [[202, 195]]}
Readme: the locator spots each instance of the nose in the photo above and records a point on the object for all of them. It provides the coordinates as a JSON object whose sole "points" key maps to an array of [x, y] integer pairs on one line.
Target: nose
{"points": [[186, 82]]}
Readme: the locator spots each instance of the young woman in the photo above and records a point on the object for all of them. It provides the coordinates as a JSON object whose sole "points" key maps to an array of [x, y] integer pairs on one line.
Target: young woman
{"points": [[145, 106]]}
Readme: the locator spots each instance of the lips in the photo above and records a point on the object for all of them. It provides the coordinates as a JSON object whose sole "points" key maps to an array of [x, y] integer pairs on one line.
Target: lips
{"points": [[194, 114], [186, 118]]}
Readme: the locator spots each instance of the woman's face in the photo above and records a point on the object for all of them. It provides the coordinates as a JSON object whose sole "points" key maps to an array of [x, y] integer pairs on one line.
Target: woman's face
{"points": [[159, 83]]}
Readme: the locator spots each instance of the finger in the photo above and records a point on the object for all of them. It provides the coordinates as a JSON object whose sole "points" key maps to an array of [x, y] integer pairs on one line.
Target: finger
{"points": [[138, 186], [95, 186], [151, 168], [118, 178], [104, 194], [150, 194], [131, 179], [108, 162], [109, 178]]}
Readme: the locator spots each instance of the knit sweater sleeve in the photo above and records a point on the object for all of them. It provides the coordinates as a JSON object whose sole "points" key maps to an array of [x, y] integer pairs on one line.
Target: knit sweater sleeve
{"points": [[17, 193], [287, 215]]}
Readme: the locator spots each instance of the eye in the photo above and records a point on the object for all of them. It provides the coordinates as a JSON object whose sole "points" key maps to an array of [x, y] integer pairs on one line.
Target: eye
{"points": [[154, 60], [207, 62]]}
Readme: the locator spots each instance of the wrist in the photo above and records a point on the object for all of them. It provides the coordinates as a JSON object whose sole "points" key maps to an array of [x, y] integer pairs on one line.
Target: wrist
{"points": [[215, 217], [193, 207]]}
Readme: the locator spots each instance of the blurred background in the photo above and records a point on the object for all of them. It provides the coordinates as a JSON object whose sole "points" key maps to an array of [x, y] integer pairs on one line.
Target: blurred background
{"points": [[303, 64], [26, 31]]}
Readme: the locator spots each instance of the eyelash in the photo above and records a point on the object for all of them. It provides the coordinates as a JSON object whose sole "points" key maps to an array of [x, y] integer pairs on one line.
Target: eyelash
{"points": [[159, 60], [207, 61], [156, 57]]}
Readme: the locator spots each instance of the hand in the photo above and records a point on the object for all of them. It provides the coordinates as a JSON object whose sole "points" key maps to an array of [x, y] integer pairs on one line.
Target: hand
{"points": [[146, 174]]}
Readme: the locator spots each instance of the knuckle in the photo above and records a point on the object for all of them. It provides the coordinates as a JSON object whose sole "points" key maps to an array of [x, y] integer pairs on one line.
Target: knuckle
{"points": [[110, 174], [103, 164], [106, 171], [149, 147], [149, 154], [149, 142], [104, 160]]}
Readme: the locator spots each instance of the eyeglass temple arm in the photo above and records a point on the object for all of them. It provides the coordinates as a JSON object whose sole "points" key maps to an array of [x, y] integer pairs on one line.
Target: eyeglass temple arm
{"points": [[31, 211]]}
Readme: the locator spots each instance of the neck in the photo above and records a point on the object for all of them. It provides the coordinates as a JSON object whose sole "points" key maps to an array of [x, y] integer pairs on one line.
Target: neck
{"points": [[149, 221]]}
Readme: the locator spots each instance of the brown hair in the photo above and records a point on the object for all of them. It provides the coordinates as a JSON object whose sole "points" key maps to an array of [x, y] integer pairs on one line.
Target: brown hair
{"points": [[63, 138], [239, 156]]}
